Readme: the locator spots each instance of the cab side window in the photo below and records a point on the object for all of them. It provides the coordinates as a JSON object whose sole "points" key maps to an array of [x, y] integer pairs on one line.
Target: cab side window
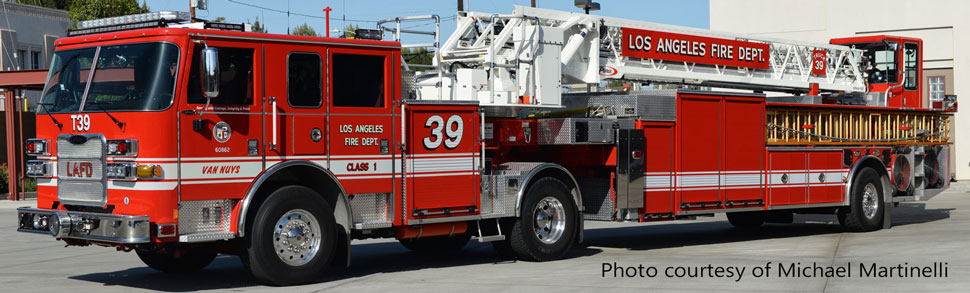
{"points": [[304, 83], [236, 73], [358, 80]]}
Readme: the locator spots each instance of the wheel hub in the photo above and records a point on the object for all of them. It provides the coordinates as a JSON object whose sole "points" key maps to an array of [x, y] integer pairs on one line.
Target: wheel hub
{"points": [[549, 220], [296, 238], [870, 201]]}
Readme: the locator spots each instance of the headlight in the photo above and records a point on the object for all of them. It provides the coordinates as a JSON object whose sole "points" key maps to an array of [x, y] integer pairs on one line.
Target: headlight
{"points": [[120, 171], [38, 168]]}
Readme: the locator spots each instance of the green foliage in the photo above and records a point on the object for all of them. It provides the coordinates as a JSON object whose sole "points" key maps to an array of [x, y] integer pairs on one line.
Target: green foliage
{"points": [[417, 56], [257, 27], [3, 178], [219, 19], [29, 184], [349, 31], [80, 10], [304, 30]]}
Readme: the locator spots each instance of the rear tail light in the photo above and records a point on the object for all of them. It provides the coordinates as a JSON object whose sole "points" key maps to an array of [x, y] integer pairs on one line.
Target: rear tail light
{"points": [[36, 146], [38, 168], [123, 147]]}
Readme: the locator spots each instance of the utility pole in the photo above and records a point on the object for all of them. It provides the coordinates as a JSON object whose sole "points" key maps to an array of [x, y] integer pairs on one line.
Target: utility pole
{"points": [[461, 5], [533, 3], [192, 11]]}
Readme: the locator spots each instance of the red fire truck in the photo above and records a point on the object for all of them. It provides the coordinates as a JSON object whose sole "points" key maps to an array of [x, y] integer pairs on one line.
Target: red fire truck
{"points": [[184, 140]]}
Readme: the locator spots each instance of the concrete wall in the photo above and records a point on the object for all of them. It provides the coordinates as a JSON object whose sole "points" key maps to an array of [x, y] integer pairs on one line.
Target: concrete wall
{"points": [[942, 24], [32, 29]]}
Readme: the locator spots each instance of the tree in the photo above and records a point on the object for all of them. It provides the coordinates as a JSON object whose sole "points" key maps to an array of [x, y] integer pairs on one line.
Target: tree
{"points": [[417, 56], [256, 27], [304, 30], [219, 19], [349, 31], [80, 10]]}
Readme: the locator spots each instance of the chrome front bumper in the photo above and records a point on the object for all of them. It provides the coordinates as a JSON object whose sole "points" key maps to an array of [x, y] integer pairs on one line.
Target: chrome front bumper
{"points": [[86, 226]]}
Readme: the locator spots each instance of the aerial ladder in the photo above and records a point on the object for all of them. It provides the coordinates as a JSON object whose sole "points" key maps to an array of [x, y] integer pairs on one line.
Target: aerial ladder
{"points": [[517, 62]]}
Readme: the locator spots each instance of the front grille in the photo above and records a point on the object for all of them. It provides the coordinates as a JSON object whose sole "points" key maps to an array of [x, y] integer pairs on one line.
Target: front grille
{"points": [[80, 170]]}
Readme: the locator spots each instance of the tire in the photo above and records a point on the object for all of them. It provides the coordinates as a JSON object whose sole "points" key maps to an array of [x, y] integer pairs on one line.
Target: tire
{"points": [[546, 227], [308, 220], [177, 260], [746, 220], [439, 244], [866, 206]]}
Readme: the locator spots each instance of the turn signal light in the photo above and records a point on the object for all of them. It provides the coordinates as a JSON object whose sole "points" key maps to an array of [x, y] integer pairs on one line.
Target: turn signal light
{"points": [[148, 171]]}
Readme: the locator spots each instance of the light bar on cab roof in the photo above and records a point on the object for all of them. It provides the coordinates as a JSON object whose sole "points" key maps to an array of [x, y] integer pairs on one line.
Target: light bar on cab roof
{"points": [[157, 16]]}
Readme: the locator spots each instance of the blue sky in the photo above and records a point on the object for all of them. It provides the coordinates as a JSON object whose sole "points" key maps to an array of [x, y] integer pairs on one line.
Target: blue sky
{"points": [[693, 13]]}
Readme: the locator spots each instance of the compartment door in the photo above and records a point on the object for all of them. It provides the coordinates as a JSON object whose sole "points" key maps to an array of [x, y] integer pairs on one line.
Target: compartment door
{"points": [[744, 151], [442, 160]]}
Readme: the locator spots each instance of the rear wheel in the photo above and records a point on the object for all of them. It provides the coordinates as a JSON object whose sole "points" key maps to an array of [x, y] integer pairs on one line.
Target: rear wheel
{"points": [[293, 237], [176, 260], [866, 206], [746, 220], [546, 227]]}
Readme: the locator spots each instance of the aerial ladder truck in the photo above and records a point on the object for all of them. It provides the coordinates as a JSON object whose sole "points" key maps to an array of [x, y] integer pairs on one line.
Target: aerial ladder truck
{"points": [[184, 140]]}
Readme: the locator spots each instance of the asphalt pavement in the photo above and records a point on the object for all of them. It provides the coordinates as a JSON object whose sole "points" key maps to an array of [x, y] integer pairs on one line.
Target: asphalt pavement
{"points": [[928, 243]]}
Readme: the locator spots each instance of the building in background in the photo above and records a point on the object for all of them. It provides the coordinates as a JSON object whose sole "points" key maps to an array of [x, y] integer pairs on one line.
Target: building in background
{"points": [[27, 35], [942, 25]]}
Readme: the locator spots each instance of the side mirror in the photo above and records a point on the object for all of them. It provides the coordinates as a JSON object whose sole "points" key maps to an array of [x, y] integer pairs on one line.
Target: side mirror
{"points": [[210, 72]]}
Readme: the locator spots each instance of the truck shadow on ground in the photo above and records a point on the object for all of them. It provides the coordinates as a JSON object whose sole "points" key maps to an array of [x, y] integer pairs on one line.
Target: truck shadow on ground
{"points": [[227, 272]]}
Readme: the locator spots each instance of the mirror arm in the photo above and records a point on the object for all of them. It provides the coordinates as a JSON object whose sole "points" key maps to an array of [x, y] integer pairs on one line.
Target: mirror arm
{"points": [[198, 124]]}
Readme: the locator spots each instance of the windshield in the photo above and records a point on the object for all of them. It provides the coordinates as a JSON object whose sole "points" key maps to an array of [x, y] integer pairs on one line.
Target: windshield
{"points": [[130, 77]]}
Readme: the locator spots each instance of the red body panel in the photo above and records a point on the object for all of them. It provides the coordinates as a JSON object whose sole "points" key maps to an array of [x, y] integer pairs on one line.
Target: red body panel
{"points": [[442, 159]]}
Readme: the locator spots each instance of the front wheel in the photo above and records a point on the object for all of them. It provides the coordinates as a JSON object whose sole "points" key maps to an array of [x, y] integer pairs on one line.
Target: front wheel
{"points": [[546, 227], [293, 237]]}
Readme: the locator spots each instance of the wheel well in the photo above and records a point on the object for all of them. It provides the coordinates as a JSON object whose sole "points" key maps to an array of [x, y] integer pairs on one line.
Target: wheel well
{"points": [[869, 162], [308, 175], [563, 175]]}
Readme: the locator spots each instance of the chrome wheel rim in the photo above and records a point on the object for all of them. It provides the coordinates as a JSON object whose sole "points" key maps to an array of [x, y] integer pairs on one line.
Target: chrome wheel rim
{"points": [[549, 220], [297, 237], [870, 200]]}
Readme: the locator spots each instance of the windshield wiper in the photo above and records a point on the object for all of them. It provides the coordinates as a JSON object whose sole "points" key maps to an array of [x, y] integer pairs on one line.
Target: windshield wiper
{"points": [[119, 123], [59, 125]]}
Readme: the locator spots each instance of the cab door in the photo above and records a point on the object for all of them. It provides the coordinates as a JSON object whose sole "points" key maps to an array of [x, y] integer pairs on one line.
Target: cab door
{"points": [[221, 157], [295, 88], [362, 123]]}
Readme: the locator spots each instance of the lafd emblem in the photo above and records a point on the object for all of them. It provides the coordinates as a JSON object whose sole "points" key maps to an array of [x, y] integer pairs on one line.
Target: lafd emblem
{"points": [[222, 131]]}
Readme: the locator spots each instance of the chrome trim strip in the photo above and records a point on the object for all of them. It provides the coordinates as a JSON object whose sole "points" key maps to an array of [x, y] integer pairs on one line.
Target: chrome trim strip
{"points": [[801, 206], [712, 211], [444, 220]]}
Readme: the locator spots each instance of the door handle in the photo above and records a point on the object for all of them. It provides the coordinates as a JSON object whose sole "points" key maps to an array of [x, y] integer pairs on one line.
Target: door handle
{"points": [[272, 145]]}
